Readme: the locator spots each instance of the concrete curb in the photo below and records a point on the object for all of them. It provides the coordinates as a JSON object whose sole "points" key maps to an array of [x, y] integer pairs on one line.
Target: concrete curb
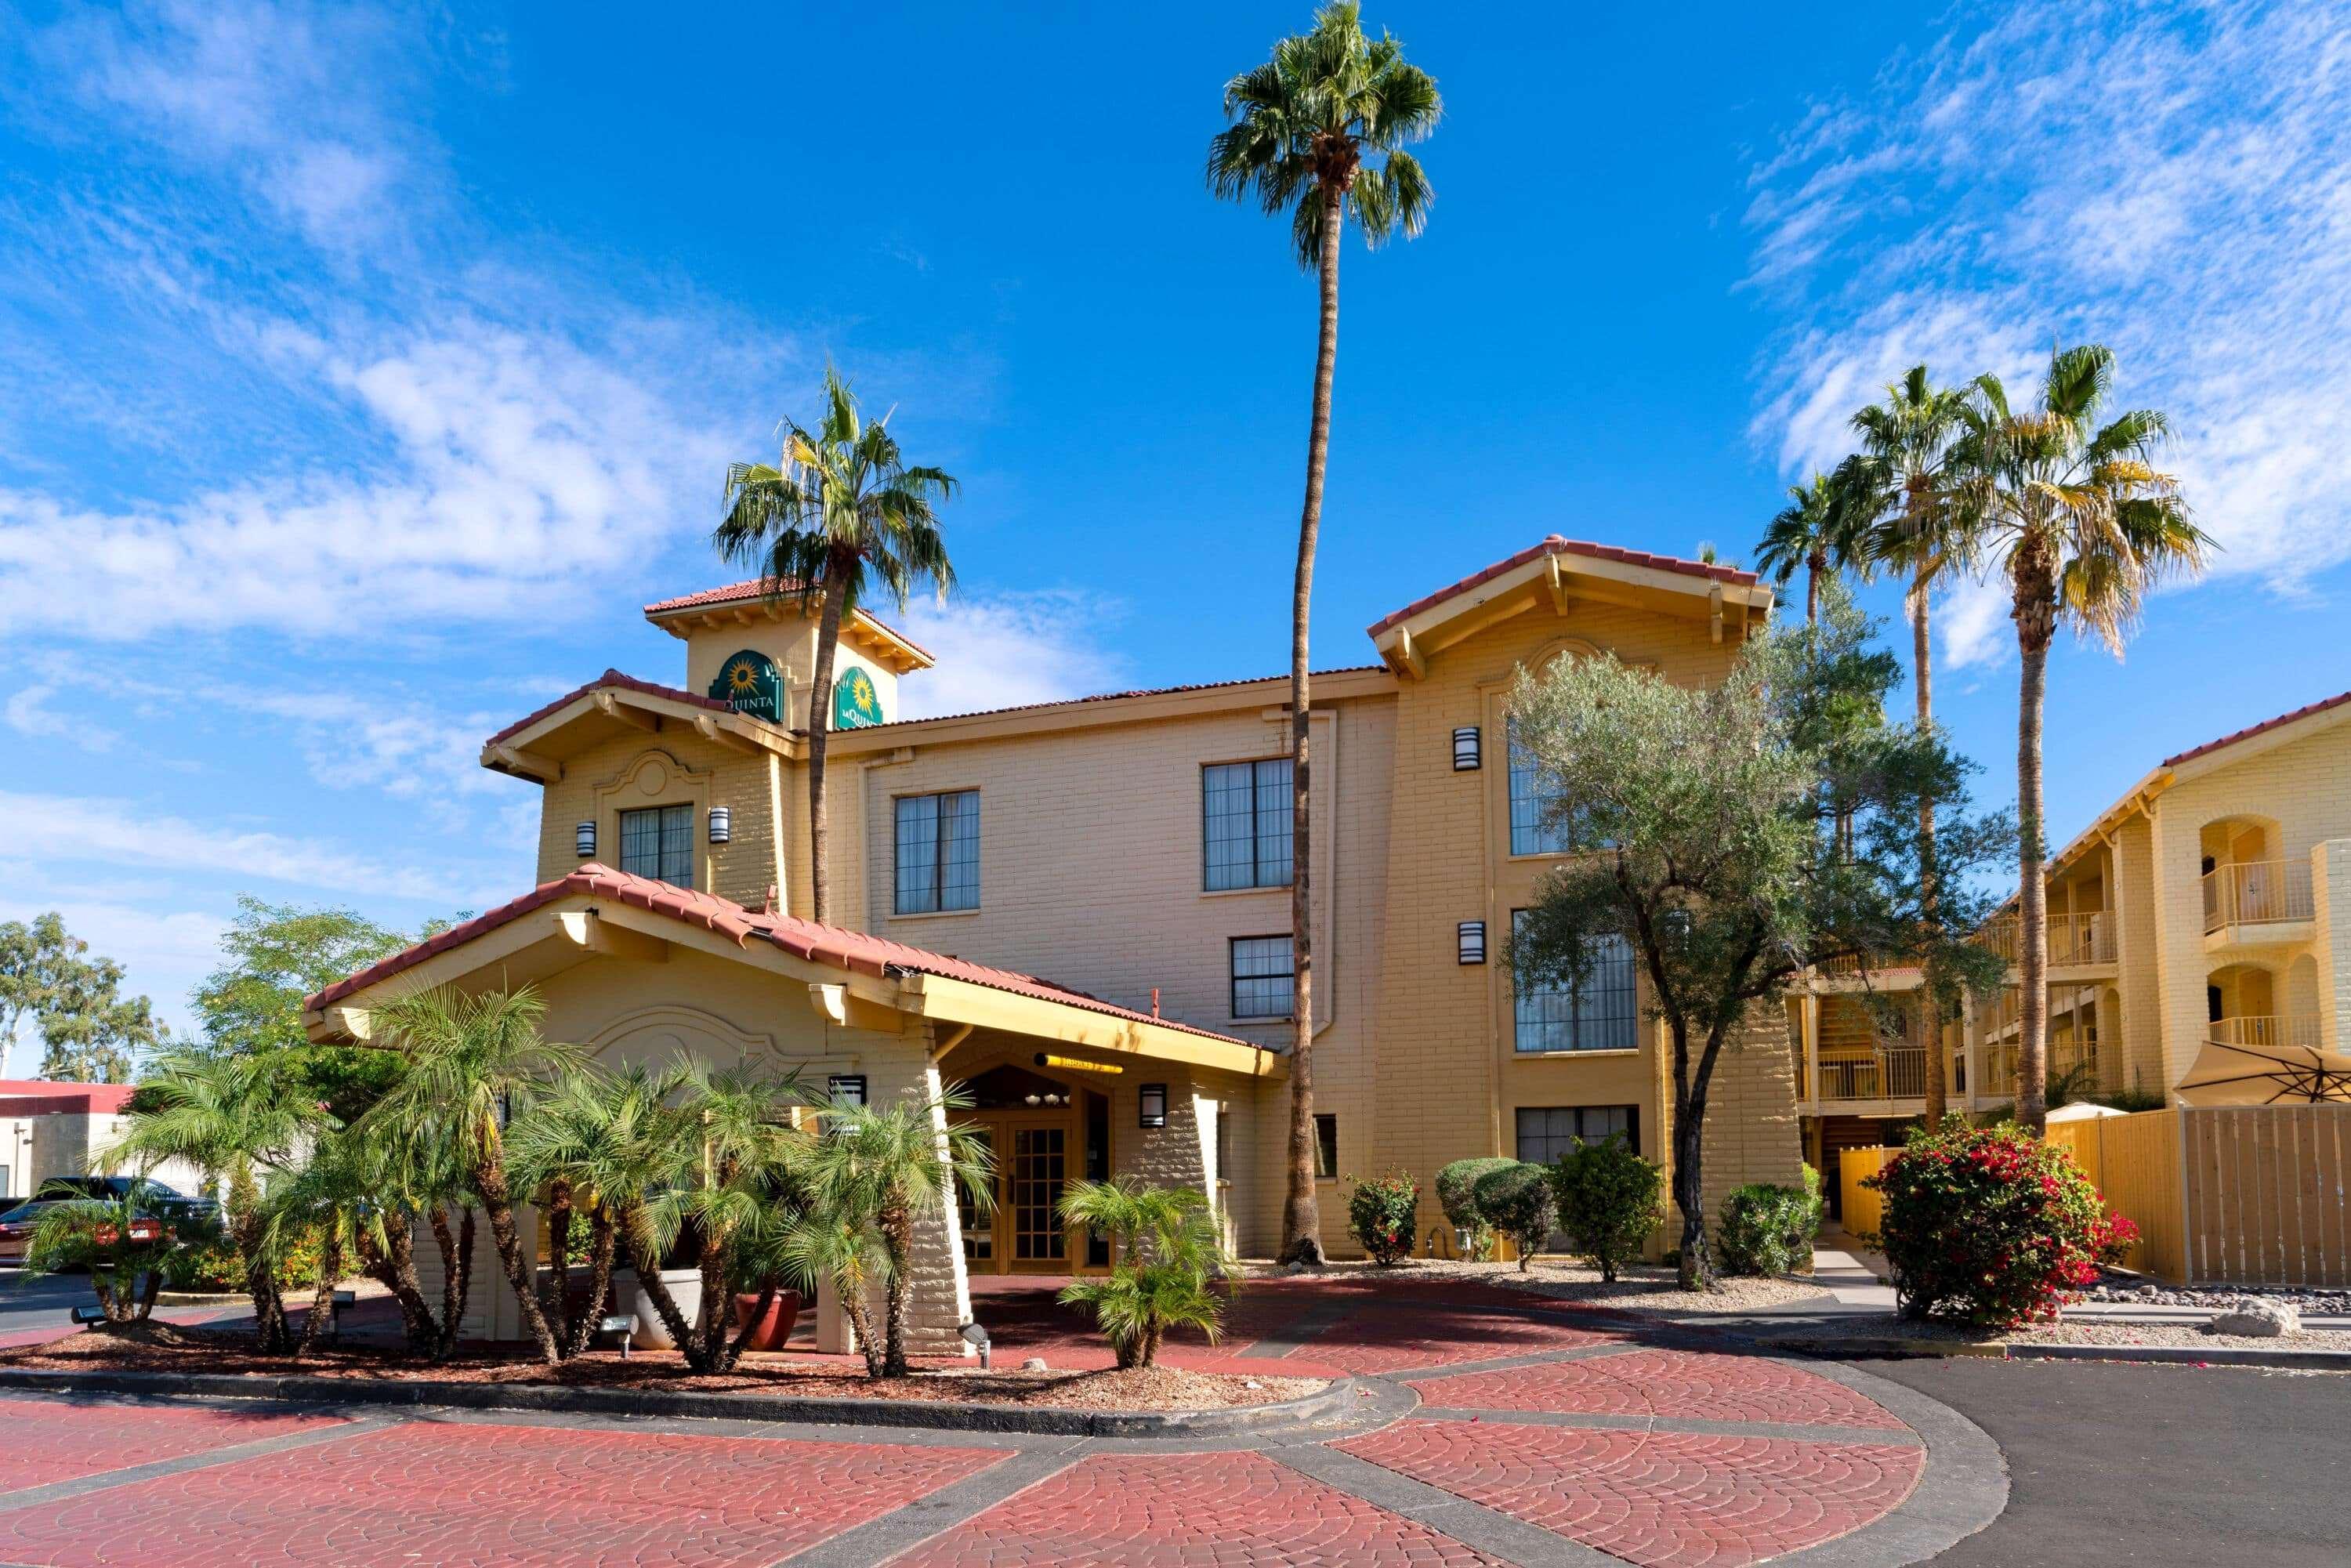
{"points": [[936, 1415], [203, 1298], [2003, 1349]]}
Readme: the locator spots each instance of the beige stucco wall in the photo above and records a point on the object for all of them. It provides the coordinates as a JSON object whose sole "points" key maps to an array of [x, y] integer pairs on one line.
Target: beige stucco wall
{"points": [[676, 767]]}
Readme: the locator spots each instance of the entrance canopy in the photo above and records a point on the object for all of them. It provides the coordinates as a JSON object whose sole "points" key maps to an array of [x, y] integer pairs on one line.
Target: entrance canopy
{"points": [[850, 978], [2228, 1075]]}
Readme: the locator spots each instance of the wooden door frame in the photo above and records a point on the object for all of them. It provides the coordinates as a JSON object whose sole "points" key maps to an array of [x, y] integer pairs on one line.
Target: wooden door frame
{"points": [[1001, 1124]]}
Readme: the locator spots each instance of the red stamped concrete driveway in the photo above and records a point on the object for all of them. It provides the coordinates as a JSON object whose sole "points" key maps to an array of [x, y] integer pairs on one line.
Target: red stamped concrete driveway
{"points": [[1484, 1428]]}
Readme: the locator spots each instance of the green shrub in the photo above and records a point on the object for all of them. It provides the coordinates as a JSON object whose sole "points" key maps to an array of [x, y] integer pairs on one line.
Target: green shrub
{"points": [[1610, 1199], [1516, 1199], [1990, 1226], [1457, 1196], [1383, 1213], [212, 1263], [1768, 1230]]}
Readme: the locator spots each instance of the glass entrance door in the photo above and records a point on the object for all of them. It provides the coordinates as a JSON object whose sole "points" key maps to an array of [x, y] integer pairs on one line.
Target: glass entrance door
{"points": [[1039, 1171]]}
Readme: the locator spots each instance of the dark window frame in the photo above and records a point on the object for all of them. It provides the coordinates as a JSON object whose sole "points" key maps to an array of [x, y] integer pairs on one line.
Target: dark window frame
{"points": [[1258, 834], [941, 863], [1609, 1013], [672, 842], [1326, 1145], [1288, 973], [1632, 1128]]}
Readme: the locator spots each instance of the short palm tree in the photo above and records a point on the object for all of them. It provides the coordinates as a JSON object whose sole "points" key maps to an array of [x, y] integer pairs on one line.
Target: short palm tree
{"points": [[1816, 530], [2082, 525], [841, 1248], [1319, 131], [840, 511], [405, 1182], [117, 1239], [883, 1166], [473, 1062], [235, 1118], [1901, 485], [1170, 1254], [333, 1193]]}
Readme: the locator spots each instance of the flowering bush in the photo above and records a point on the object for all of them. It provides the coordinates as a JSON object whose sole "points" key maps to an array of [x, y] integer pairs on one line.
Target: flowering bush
{"points": [[1609, 1199], [1991, 1227], [1383, 1213]]}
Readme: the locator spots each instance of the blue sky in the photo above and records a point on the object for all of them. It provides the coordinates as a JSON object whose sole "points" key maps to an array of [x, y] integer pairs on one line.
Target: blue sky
{"points": [[363, 368]]}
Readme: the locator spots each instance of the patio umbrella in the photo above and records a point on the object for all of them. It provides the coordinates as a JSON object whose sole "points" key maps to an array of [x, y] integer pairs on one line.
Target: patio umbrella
{"points": [[2228, 1075]]}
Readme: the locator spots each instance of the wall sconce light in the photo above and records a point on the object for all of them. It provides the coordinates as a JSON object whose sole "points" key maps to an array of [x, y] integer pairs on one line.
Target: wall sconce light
{"points": [[846, 1087], [1151, 1102], [722, 824], [583, 839], [1466, 754], [1471, 938]]}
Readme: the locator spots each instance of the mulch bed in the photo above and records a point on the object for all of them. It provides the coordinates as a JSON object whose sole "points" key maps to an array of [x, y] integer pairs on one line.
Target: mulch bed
{"points": [[161, 1347]]}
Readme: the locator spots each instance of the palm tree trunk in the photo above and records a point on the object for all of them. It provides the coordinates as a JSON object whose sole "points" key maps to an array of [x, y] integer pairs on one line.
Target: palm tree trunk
{"points": [[490, 1186], [555, 1285], [820, 726], [897, 1224], [456, 1276], [395, 1267], [604, 1241], [2036, 601], [1302, 1215], [322, 1293], [270, 1334], [1814, 564], [861, 1324], [1931, 1025], [644, 1257]]}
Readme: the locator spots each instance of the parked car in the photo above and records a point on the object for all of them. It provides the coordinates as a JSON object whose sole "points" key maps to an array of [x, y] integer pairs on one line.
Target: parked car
{"points": [[165, 1202], [16, 1230]]}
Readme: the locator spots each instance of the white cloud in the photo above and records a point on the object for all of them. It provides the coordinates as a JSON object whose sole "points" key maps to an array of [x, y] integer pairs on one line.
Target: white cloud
{"points": [[1972, 621], [126, 834], [28, 713], [2173, 180], [523, 467], [1010, 649]]}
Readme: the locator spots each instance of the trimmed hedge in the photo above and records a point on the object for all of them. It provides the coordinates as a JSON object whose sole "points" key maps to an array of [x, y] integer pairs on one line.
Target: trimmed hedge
{"points": [[1456, 1188], [1610, 1199], [1767, 1228], [1516, 1200]]}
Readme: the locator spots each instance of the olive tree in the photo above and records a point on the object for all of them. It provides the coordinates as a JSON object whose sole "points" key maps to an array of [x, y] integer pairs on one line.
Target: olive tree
{"points": [[1737, 834]]}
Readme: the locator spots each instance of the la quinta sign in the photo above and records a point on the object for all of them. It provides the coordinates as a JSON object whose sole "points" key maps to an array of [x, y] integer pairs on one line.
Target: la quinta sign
{"points": [[855, 701], [750, 683]]}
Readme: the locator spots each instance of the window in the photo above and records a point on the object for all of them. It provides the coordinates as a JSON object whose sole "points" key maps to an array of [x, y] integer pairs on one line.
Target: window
{"points": [[1265, 977], [1326, 1144], [1245, 825], [1596, 1016], [1547, 1131], [938, 852], [1536, 828], [658, 842]]}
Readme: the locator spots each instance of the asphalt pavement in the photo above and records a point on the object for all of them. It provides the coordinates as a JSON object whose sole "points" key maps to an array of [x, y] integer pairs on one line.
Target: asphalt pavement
{"points": [[2158, 1467], [27, 1304]]}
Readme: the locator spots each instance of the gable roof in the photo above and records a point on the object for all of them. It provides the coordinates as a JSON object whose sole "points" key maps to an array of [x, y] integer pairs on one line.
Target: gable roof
{"points": [[837, 947], [610, 680], [1552, 544], [759, 591], [2306, 711]]}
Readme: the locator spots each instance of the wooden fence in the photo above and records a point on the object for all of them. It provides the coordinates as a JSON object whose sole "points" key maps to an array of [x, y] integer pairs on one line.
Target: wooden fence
{"points": [[2248, 1195]]}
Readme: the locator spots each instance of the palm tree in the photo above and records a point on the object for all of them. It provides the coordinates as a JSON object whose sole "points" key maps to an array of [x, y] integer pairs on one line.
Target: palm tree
{"points": [[1169, 1253], [473, 1062], [2082, 524], [843, 1248], [1816, 530], [884, 1166], [405, 1181], [233, 1118], [1900, 486], [1302, 124], [838, 504], [111, 1238]]}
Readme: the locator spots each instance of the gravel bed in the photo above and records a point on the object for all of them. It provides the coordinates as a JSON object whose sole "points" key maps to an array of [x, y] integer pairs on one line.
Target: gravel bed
{"points": [[2179, 1337], [159, 1347], [1639, 1288], [2315, 1304]]}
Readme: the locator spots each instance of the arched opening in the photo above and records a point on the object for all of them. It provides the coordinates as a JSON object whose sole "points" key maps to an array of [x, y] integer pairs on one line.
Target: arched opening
{"points": [[1043, 1129], [2248, 877], [2248, 1004]]}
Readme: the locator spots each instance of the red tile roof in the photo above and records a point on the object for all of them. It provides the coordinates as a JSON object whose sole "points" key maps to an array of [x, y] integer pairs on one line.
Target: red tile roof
{"points": [[48, 1097], [1555, 545], [758, 588], [1138, 691], [2251, 730], [609, 678], [838, 946]]}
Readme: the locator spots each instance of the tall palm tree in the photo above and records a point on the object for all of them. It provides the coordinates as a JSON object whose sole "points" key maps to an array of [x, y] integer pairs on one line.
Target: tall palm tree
{"points": [[1302, 126], [235, 1118], [2082, 524], [840, 509], [1816, 530], [883, 1166], [473, 1062], [1900, 485]]}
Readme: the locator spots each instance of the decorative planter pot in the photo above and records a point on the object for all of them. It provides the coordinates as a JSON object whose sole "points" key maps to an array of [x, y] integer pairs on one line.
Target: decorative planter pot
{"points": [[651, 1332], [776, 1327]]}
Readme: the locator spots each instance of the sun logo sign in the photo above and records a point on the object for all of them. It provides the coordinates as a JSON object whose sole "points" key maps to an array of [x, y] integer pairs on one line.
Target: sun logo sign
{"points": [[749, 682], [855, 703]]}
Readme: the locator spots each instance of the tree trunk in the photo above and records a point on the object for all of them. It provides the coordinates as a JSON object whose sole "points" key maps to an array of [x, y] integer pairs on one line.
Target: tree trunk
{"points": [[2036, 613], [733, 1347], [861, 1323], [1302, 1215], [1814, 564], [456, 1276], [395, 1267], [490, 1186], [640, 1248], [820, 726], [1696, 1270], [603, 1239], [708, 1351], [555, 1285], [1930, 1023], [323, 1294], [270, 1333], [897, 1226]]}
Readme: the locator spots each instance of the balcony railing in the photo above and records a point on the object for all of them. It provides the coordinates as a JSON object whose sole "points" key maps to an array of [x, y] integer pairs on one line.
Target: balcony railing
{"points": [[2085, 937], [1895, 1073], [2266, 1030], [1999, 1065], [2256, 892]]}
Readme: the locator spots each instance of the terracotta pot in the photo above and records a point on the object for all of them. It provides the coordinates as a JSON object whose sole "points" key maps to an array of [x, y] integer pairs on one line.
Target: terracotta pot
{"points": [[775, 1328]]}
